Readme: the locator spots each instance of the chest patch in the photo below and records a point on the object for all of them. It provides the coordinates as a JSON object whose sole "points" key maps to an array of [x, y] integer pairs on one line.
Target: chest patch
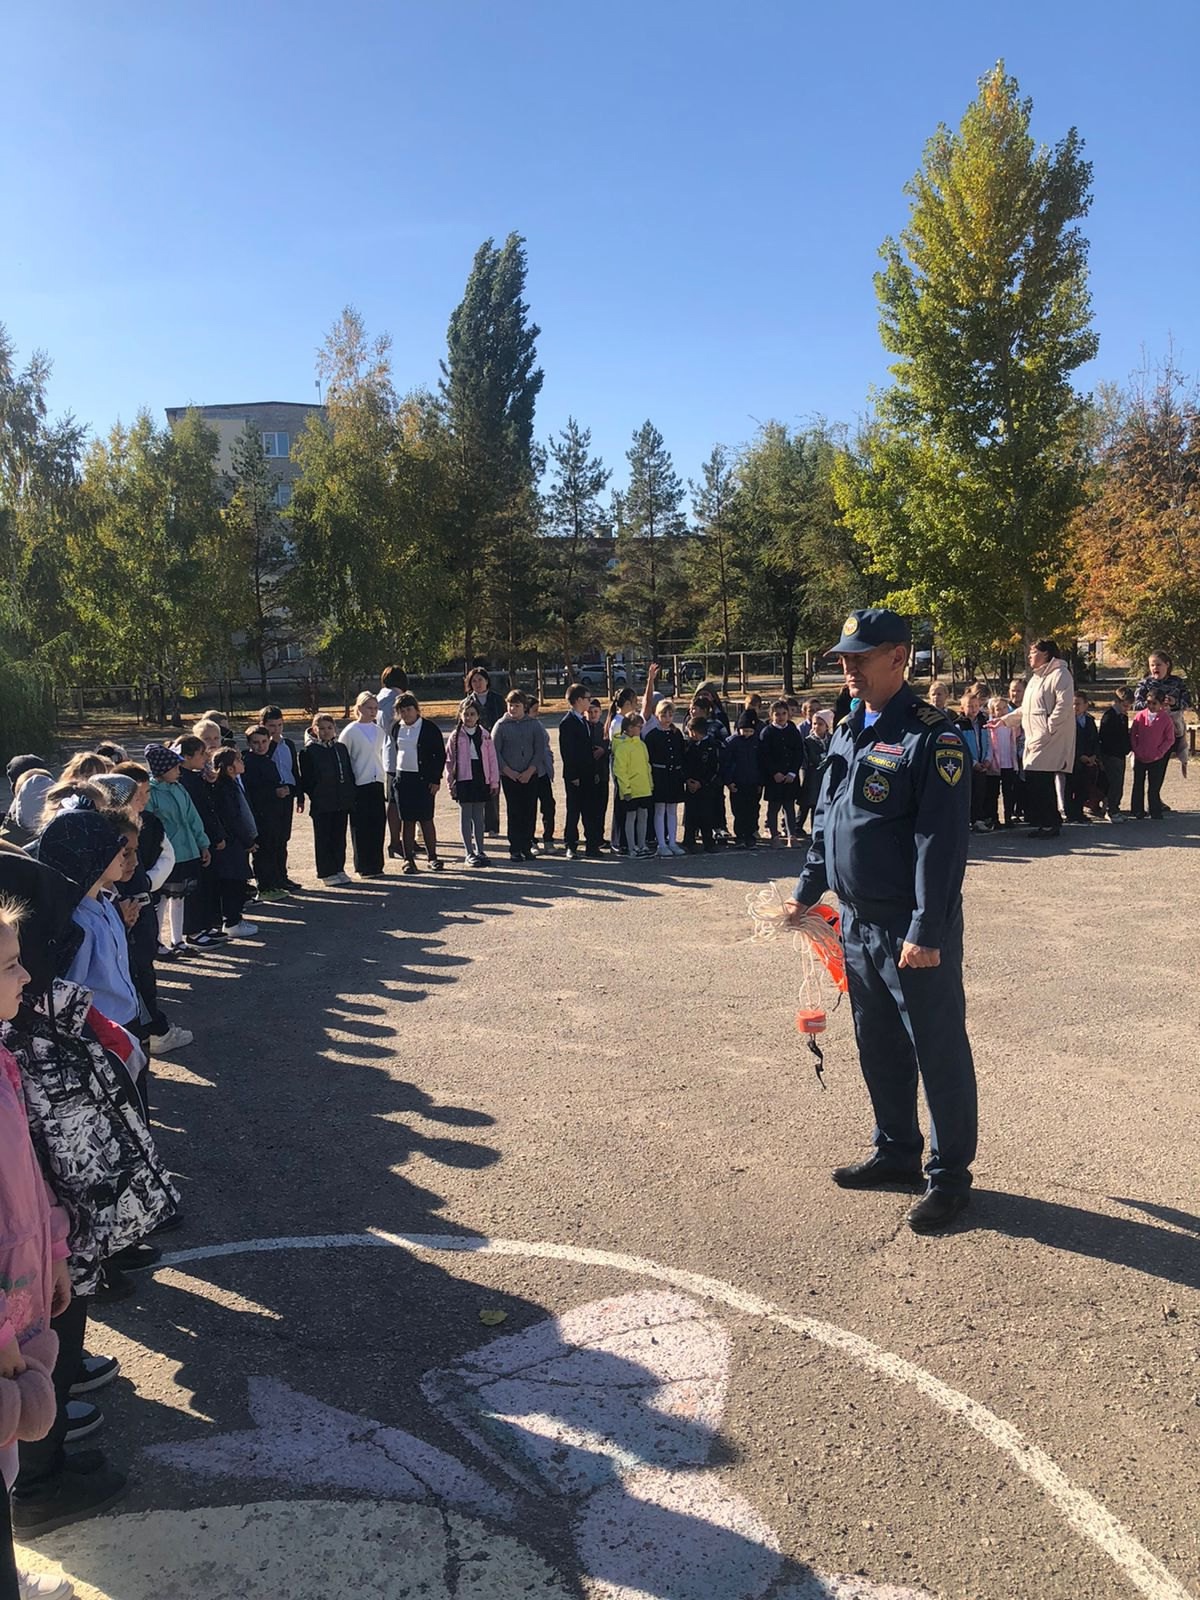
{"points": [[889, 749], [876, 788], [878, 757], [948, 765]]}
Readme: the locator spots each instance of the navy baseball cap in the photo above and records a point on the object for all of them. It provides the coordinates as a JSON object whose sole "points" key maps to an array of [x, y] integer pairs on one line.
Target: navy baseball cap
{"points": [[864, 630]]}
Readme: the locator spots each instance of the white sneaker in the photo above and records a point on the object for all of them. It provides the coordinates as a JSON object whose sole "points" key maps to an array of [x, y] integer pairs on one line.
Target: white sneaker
{"points": [[242, 930], [174, 1039], [44, 1586], [677, 850], [337, 880]]}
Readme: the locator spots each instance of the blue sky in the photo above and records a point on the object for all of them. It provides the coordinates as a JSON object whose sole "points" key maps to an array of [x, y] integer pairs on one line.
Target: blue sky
{"points": [[194, 192]]}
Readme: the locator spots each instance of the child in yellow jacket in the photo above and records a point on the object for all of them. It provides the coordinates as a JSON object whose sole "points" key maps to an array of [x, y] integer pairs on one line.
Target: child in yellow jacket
{"points": [[631, 774]]}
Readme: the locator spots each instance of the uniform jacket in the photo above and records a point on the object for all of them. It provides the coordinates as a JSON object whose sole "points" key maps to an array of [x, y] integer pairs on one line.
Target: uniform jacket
{"points": [[1047, 717], [545, 760], [172, 805], [296, 789], [741, 761], [600, 763], [1114, 734], [460, 752], [327, 777], [701, 764], [260, 781], [575, 749], [1087, 740], [631, 768], [781, 750], [891, 823], [665, 747], [491, 709], [241, 830], [200, 791]]}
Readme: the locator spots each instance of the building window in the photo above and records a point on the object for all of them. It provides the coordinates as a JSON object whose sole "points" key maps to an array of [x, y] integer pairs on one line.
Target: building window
{"points": [[282, 496], [276, 444]]}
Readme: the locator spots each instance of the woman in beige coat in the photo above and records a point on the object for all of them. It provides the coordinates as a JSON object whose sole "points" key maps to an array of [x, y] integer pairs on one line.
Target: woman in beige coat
{"points": [[1047, 717]]}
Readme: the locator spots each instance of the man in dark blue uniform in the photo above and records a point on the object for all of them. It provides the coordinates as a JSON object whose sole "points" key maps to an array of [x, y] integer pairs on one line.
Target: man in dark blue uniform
{"points": [[890, 839]]}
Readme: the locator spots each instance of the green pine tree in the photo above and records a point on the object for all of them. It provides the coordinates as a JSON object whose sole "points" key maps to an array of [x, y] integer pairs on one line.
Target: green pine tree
{"points": [[650, 527], [575, 522], [967, 479]]}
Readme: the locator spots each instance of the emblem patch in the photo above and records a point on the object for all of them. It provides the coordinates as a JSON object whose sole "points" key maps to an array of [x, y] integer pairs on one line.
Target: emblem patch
{"points": [[850, 626], [875, 758], [889, 749], [949, 765], [876, 789], [949, 738]]}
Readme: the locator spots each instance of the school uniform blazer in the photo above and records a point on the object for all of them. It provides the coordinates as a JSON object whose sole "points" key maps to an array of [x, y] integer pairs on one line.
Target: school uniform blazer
{"points": [[200, 794], [575, 748], [327, 777], [431, 753]]}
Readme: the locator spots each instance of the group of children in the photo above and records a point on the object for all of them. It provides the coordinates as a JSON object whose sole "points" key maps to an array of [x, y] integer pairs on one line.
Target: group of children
{"points": [[1143, 725]]}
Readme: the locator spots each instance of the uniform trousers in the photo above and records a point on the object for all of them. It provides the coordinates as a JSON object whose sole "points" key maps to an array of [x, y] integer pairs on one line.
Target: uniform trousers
{"points": [[548, 807], [520, 801], [911, 1023], [329, 841], [368, 820]]}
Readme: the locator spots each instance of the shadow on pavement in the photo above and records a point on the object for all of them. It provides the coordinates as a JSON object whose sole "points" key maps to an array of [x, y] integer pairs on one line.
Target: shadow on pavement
{"points": [[1120, 1240], [296, 1371]]}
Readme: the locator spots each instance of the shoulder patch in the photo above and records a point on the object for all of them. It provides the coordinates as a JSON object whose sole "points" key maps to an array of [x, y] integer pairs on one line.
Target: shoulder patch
{"points": [[929, 715], [948, 738]]}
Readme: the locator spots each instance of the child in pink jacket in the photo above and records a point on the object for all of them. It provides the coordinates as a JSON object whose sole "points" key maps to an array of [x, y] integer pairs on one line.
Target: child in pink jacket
{"points": [[34, 1285], [473, 771], [1152, 735]]}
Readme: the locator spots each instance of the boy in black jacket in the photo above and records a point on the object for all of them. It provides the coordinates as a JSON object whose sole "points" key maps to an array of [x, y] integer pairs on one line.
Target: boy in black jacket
{"points": [[701, 786], [287, 763], [781, 749], [271, 802], [202, 910], [1115, 750]]}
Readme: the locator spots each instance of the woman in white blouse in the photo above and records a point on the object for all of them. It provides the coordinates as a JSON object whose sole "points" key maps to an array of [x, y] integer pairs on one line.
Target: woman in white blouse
{"points": [[363, 738]]}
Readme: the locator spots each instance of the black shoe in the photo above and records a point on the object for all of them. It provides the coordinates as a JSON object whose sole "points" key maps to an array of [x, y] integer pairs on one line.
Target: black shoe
{"points": [[83, 1418], [528, 855], [592, 855], [936, 1210], [1043, 833], [515, 855], [114, 1285], [94, 1373], [69, 1498], [873, 1173], [395, 853], [296, 888], [410, 865], [436, 864], [136, 1257]]}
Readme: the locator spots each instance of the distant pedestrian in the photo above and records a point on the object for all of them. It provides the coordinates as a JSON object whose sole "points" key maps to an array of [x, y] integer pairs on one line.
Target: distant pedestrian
{"points": [[631, 772], [518, 745], [742, 771], [420, 767], [1046, 716], [1115, 750], [1153, 739], [664, 746], [368, 815]]}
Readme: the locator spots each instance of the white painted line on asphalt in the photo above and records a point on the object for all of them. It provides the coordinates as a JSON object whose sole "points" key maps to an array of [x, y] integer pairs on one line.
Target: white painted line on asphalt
{"points": [[1081, 1510]]}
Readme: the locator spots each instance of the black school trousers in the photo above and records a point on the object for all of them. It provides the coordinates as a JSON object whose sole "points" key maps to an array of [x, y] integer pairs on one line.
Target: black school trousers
{"points": [[368, 823], [520, 801], [329, 841]]}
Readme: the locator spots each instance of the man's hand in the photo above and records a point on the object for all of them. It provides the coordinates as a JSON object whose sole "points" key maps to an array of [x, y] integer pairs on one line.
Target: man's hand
{"points": [[778, 777], [282, 792], [919, 955], [795, 913], [11, 1365], [692, 785], [130, 911], [220, 846], [652, 672], [61, 1297], [434, 787], [205, 858]]}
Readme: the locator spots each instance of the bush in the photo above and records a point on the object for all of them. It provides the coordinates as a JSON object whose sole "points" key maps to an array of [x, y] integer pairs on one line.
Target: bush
{"points": [[26, 709]]}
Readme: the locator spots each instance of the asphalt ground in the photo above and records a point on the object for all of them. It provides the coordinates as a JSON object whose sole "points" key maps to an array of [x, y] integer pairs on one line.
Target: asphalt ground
{"points": [[697, 1370]]}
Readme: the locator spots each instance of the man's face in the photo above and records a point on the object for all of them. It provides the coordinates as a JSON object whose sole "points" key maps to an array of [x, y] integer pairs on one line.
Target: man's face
{"points": [[517, 709], [274, 726], [128, 859], [260, 743], [872, 673], [780, 716], [594, 710], [408, 715], [196, 760], [325, 730], [1015, 690], [1081, 705]]}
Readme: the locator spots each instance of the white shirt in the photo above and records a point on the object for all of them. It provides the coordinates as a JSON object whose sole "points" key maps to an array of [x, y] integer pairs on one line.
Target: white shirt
{"points": [[406, 746], [365, 744]]}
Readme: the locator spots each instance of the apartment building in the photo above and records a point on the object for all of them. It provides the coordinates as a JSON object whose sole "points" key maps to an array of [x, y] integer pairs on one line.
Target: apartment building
{"points": [[278, 422]]}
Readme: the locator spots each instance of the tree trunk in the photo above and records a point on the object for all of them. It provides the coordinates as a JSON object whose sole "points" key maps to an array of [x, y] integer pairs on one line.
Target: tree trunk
{"points": [[789, 649]]}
